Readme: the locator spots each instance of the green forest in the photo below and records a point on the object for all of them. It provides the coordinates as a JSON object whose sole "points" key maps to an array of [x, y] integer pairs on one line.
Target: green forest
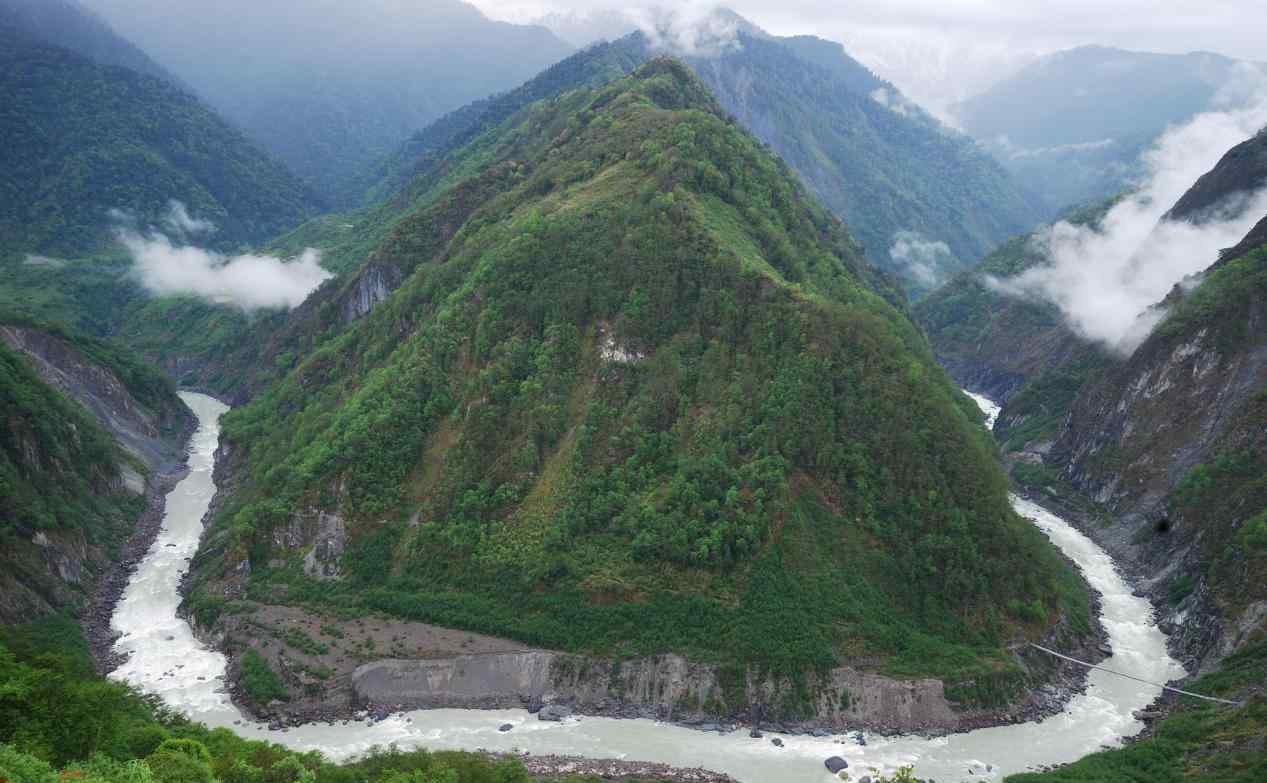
{"points": [[89, 147], [648, 397]]}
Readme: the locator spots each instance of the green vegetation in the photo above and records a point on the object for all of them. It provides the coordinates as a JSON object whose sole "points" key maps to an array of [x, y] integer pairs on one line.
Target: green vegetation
{"points": [[883, 169], [1230, 286], [644, 396], [83, 139], [1199, 741], [1014, 347], [57, 464], [58, 722], [260, 681], [421, 155]]}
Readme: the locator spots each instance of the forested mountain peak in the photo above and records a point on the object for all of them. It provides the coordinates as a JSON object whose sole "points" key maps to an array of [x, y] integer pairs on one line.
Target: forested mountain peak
{"points": [[923, 199], [642, 375]]}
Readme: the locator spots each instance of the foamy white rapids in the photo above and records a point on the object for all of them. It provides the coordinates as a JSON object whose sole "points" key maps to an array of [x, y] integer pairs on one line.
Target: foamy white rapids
{"points": [[989, 407], [167, 660]]}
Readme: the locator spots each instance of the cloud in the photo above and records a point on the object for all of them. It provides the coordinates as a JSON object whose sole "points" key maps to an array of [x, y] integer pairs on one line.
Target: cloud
{"points": [[694, 28], [1107, 279], [923, 260], [939, 52], [894, 102], [247, 281], [180, 222]]}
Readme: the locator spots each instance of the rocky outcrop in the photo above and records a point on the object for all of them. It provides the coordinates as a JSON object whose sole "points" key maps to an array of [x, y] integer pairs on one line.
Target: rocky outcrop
{"points": [[664, 687], [69, 559], [146, 434], [1171, 444], [373, 284], [668, 687]]}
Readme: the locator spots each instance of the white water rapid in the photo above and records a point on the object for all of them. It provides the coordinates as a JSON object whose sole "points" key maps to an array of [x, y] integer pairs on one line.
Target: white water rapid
{"points": [[167, 660]]}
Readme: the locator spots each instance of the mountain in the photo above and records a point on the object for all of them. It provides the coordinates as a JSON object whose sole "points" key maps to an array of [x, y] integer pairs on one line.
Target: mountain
{"points": [[594, 66], [331, 87], [635, 394], [1018, 351], [67, 24], [1171, 443], [888, 169], [1159, 455], [1078, 120], [1170, 440], [85, 142], [924, 200], [88, 430]]}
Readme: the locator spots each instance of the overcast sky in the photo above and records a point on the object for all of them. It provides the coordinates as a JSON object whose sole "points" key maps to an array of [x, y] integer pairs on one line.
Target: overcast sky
{"points": [[943, 50]]}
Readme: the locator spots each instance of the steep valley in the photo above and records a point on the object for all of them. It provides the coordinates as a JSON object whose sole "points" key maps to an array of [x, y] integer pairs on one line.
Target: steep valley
{"points": [[626, 437]]}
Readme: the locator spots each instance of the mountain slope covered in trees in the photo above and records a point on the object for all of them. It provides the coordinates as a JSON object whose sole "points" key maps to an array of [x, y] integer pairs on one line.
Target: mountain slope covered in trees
{"points": [[86, 423], [643, 396], [883, 165], [879, 162], [85, 139], [67, 24], [340, 85]]}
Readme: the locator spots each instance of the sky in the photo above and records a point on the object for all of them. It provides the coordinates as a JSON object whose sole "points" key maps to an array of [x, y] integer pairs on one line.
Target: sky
{"points": [[941, 51]]}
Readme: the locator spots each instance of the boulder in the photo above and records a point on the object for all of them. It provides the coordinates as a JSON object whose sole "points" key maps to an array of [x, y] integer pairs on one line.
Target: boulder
{"points": [[505, 727], [778, 743], [836, 764], [554, 712]]}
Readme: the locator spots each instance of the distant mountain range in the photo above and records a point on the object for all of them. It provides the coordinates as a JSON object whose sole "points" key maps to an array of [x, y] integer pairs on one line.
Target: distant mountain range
{"points": [[333, 86], [882, 164], [90, 140], [1077, 121]]}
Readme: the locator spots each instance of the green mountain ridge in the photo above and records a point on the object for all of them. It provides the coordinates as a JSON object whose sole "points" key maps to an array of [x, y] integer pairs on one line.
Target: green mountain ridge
{"points": [[85, 139], [592, 418], [882, 169]]}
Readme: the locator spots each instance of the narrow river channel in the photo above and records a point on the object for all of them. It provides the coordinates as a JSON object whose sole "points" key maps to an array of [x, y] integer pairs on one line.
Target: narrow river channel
{"points": [[166, 659]]}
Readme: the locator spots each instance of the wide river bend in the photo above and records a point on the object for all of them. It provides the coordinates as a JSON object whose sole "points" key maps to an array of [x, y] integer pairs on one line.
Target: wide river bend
{"points": [[164, 658]]}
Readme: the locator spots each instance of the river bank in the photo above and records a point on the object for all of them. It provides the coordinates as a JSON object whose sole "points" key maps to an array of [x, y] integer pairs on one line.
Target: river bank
{"points": [[96, 619], [169, 661]]}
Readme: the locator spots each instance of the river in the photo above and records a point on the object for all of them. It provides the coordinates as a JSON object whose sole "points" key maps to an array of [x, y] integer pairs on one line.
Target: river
{"points": [[166, 659]]}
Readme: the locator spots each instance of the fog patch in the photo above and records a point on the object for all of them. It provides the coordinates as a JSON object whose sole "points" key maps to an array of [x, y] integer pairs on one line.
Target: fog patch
{"points": [[1108, 279], [693, 29], [922, 260], [181, 223], [893, 101], [168, 267]]}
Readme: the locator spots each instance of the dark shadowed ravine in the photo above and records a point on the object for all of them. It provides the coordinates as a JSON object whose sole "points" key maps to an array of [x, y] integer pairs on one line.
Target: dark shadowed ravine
{"points": [[167, 660]]}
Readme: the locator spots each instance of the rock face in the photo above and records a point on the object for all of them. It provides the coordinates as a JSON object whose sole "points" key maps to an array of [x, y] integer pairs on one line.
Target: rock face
{"points": [[1170, 443], [665, 687], [145, 434], [373, 284], [65, 566]]}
